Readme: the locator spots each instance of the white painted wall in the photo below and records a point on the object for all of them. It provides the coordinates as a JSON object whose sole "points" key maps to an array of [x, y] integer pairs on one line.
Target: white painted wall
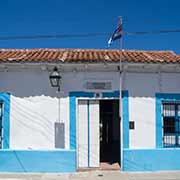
{"points": [[75, 81], [34, 104], [34, 110], [142, 112], [170, 82], [142, 88], [32, 122]]}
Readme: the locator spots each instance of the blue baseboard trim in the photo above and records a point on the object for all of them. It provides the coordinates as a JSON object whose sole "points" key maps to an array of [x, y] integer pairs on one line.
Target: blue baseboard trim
{"points": [[31, 161], [151, 159]]}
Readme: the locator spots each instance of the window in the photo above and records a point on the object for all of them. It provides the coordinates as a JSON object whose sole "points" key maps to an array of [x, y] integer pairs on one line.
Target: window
{"points": [[171, 124], [1, 115]]}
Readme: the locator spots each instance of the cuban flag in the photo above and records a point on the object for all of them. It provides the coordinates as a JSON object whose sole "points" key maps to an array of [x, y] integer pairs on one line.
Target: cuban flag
{"points": [[116, 35]]}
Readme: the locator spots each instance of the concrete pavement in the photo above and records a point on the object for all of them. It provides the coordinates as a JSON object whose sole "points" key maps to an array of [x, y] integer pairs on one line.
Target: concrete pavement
{"points": [[95, 175]]}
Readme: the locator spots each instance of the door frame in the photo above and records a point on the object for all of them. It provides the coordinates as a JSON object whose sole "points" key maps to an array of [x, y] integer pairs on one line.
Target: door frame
{"points": [[124, 124]]}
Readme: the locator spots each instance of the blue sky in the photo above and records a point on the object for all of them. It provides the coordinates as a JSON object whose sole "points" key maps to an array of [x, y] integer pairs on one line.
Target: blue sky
{"points": [[43, 17]]}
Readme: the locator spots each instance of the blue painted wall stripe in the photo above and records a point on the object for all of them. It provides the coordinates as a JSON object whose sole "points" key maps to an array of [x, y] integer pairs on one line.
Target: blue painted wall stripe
{"points": [[30, 161], [5, 98], [125, 106], [151, 159], [72, 122], [158, 122], [114, 94]]}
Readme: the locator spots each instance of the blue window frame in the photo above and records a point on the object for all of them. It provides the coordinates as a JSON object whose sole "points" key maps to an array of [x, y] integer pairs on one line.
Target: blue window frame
{"points": [[1, 117], [171, 123], [4, 120]]}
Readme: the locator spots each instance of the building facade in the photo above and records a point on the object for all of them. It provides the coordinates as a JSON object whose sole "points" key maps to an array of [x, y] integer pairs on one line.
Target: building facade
{"points": [[43, 130]]}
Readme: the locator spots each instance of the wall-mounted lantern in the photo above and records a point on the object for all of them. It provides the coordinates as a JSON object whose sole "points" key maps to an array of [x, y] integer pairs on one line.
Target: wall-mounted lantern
{"points": [[55, 78]]}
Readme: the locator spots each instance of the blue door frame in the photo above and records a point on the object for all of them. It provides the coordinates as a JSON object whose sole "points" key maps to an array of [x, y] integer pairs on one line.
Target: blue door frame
{"points": [[125, 115]]}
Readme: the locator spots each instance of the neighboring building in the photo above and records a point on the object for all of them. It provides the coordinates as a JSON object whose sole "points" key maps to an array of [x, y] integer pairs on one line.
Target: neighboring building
{"points": [[34, 130]]}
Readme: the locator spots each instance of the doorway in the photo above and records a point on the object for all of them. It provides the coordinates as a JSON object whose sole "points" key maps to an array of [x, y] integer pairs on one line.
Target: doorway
{"points": [[109, 134], [98, 134]]}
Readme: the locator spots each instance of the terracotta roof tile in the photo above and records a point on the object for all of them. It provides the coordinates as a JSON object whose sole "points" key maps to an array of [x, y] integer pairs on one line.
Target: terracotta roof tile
{"points": [[86, 55]]}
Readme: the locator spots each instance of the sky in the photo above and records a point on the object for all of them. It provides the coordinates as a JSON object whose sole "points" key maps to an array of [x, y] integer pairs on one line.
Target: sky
{"points": [[51, 17]]}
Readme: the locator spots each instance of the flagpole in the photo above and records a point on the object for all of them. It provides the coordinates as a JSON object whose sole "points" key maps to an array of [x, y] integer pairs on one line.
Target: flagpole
{"points": [[120, 91], [118, 35]]}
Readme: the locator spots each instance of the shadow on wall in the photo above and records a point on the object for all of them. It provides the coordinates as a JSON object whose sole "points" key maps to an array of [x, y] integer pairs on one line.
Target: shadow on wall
{"points": [[148, 84], [141, 84], [27, 84]]}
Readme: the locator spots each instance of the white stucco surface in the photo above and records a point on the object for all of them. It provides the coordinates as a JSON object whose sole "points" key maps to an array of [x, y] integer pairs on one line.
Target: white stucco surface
{"points": [[142, 88], [32, 122], [170, 82], [142, 112], [34, 104], [34, 109]]}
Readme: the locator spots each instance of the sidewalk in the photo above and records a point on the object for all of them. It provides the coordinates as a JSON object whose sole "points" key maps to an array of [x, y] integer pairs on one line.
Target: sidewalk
{"points": [[95, 175]]}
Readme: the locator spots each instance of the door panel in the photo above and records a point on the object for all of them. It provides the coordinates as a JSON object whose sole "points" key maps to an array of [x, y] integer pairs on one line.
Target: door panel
{"points": [[88, 133], [94, 133], [82, 133]]}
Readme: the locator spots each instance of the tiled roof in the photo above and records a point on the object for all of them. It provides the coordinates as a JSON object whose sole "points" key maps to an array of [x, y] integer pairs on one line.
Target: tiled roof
{"points": [[85, 55]]}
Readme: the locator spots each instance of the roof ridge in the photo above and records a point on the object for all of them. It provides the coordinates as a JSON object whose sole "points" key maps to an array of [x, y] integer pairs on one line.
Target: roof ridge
{"points": [[137, 50], [86, 55], [81, 49]]}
